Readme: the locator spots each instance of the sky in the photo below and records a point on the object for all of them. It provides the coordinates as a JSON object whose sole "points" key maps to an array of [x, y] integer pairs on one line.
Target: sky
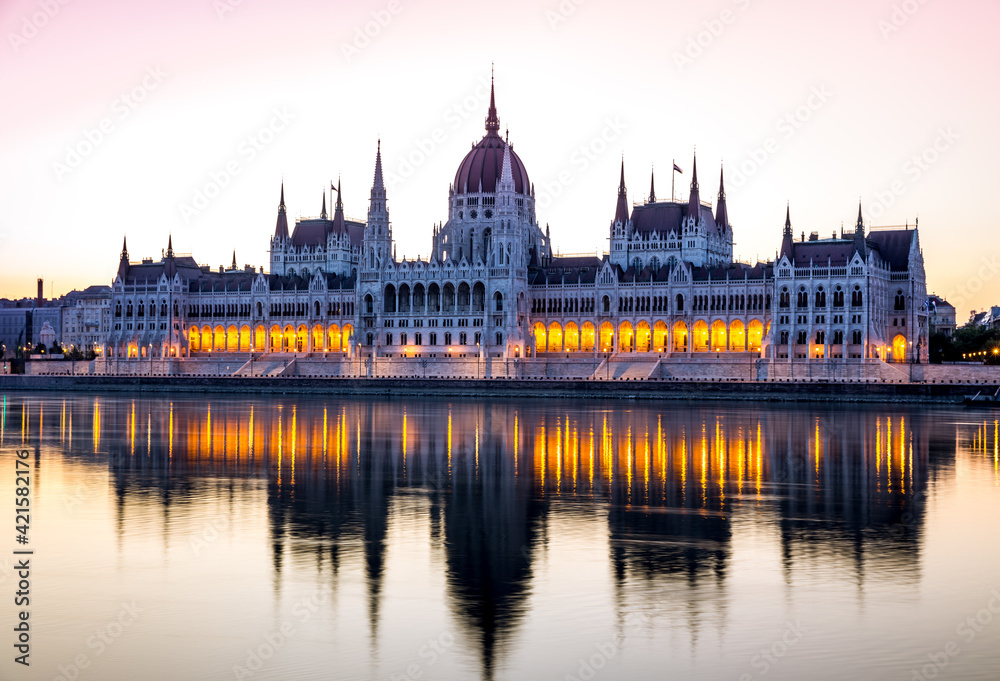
{"points": [[152, 119]]}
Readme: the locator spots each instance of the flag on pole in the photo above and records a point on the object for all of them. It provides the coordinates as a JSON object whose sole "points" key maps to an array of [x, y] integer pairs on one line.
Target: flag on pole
{"points": [[677, 169]]}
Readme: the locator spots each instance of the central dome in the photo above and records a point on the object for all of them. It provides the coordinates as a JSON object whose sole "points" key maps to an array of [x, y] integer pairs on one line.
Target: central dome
{"points": [[484, 164]]}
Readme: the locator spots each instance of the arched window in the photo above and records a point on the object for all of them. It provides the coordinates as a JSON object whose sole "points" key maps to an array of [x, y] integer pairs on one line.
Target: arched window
{"points": [[607, 304], [498, 300], [680, 302], [900, 301], [784, 298], [369, 307], [316, 308]]}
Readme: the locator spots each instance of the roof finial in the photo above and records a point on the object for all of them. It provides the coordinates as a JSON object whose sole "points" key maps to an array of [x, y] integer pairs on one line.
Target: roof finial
{"points": [[170, 245], [652, 185], [322, 213], [234, 258], [788, 218], [492, 122], [124, 248]]}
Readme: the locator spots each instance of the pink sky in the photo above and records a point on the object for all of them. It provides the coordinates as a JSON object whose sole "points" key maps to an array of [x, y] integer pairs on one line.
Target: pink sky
{"points": [[863, 100]]}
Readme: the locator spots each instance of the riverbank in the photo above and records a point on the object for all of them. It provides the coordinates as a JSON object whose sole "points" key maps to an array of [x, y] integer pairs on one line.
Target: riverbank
{"points": [[776, 391]]}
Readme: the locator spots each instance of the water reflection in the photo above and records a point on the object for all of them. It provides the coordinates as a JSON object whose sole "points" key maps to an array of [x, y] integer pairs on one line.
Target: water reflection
{"points": [[844, 489]]}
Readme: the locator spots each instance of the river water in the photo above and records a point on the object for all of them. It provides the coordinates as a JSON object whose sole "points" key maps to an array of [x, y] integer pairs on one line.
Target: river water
{"points": [[283, 538]]}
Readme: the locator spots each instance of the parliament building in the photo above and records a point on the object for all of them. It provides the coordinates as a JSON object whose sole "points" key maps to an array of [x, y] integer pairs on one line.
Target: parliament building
{"points": [[492, 286]]}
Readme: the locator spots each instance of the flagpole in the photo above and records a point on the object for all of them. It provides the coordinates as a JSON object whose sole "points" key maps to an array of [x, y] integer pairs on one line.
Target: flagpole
{"points": [[673, 174]]}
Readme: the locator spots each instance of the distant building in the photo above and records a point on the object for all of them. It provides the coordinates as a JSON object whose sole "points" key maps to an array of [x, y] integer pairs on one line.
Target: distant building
{"points": [[86, 318], [25, 320], [990, 317], [941, 315]]}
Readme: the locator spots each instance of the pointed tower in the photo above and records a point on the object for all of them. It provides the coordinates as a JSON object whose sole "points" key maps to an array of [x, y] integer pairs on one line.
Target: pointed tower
{"points": [[721, 213], [860, 245], [339, 226], [621, 225], [492, 121], [233, 266], [322, 211], [280, 242], [123, 261], [694, 199], [281, 228], [169, 264], [621, 210], [652, 187], [505, 242], [786, 236], [377, 247]]}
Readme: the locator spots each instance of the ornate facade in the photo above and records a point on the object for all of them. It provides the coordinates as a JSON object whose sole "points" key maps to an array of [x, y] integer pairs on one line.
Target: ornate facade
{"points": [[493, 287]]}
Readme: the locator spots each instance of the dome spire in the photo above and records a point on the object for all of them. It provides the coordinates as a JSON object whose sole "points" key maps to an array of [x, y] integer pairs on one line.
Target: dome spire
{"points": [[492, 122]]}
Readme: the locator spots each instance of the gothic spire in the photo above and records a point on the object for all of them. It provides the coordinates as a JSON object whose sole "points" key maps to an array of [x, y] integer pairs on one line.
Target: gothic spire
{"points": [[694, 200], [322, 212], [492, 122], [234, 259], [170, 246], [124, 249], [338, 212], [621, 211], [721, 213], [787, 245], [860, 245], [652, 187], [281, 227], [378, 183]]}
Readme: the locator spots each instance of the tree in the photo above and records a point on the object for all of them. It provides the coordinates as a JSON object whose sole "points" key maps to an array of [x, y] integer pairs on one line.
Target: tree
{"points": [[18, 351]]}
